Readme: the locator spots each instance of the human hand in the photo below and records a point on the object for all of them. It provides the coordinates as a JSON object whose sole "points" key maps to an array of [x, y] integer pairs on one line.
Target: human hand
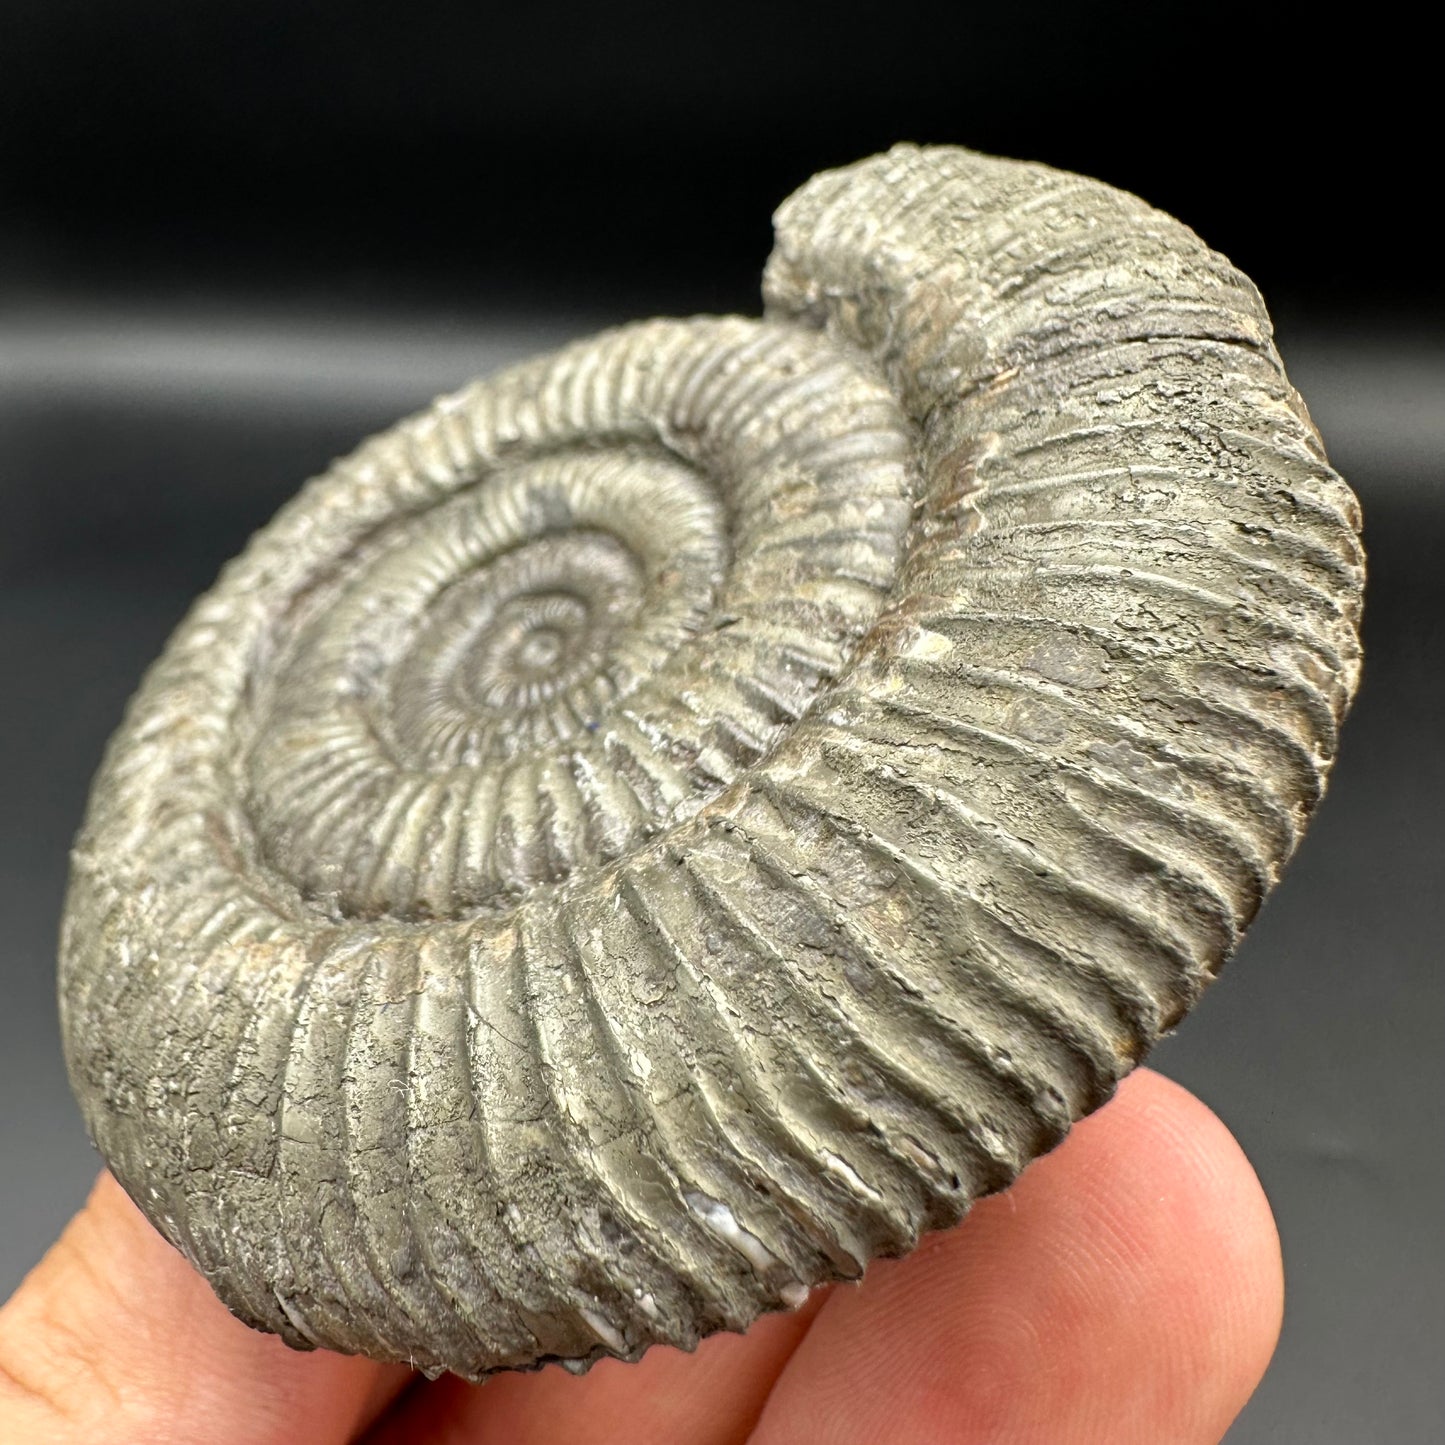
{"points": [[1127, 1291]]}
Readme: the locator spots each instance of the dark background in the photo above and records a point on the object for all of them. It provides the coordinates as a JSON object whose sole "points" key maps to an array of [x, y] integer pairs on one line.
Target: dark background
{"points": [[234, 237]]}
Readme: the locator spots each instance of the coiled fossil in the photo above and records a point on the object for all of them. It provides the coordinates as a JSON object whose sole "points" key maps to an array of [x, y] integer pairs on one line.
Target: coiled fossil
{"points": [[673, 821]]}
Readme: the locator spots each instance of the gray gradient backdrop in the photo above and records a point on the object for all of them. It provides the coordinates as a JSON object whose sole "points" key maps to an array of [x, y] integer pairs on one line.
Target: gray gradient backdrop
{"points": [[137, 451]]}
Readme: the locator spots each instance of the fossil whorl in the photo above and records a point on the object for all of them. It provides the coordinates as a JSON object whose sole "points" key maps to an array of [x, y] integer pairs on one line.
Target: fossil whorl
{"points": [[673, 821]]}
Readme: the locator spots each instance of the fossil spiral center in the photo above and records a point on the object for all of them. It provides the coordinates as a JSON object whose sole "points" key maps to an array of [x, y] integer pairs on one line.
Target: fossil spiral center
{"points": [[539, 650], [524, 650], [582, 640]]}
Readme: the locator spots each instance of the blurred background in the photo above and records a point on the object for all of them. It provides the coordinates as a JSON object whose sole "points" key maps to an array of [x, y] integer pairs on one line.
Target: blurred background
{"points": [[236, 237]]}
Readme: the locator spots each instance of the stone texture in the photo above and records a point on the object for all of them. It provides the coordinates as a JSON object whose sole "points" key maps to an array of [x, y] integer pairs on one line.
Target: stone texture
{"points": [[675, 820]]}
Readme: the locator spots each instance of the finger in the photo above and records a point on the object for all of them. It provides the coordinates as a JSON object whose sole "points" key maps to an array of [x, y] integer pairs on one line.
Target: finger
{"points": [[712, 1397], [113, 1338], [1127, 1290]]}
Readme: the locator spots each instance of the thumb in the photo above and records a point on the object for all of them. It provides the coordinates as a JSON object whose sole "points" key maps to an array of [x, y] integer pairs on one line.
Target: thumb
{"points": [[113, 1339]]}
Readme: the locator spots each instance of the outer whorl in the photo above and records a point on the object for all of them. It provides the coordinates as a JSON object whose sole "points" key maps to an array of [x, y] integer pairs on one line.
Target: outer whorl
{"points": [[673, 821]]}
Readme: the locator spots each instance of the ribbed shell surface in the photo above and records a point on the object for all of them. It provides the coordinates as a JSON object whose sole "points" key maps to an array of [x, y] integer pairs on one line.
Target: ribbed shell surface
{"points": [[674, 821]]}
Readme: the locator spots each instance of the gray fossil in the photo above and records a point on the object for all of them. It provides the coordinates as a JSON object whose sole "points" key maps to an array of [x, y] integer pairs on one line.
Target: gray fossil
{"points": [[673, 821]]}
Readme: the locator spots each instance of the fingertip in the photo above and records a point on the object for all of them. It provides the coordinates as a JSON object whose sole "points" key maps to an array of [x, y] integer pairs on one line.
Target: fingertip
{"points": [[1126, 1289], [114, 1337], [1181, 1235], [712, 1396]]}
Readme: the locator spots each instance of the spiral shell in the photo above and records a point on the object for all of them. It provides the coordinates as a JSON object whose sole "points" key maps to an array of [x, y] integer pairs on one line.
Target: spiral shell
{"points": [[673, 821]]}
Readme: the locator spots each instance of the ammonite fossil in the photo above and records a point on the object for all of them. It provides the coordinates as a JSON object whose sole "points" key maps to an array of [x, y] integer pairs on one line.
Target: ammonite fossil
{"points": [[675, 820]]}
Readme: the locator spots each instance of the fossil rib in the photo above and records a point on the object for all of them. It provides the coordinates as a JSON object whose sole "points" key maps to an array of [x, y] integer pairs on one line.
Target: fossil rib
{"points": [[673, 821]]}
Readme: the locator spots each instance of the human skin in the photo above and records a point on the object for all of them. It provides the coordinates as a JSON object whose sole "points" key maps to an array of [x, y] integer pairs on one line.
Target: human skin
{"points": [[1127, 1289]]}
